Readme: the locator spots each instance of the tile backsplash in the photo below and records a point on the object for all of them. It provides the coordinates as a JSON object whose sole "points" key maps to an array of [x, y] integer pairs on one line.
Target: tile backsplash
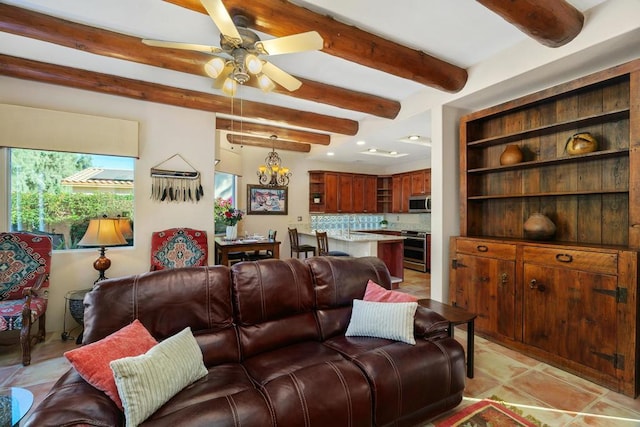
{"points": [[354, 222]]}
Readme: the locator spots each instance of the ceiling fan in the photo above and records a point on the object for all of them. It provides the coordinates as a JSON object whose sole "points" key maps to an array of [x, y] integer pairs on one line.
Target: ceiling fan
{"points": [[241, 50]]}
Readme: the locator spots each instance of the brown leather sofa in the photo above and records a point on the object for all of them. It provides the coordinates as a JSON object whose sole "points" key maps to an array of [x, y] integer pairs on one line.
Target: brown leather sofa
{"points": [[272, 337]]}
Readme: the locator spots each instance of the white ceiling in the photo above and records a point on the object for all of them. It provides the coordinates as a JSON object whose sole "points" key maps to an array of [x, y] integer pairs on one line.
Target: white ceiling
{"points": [[462, 32]]}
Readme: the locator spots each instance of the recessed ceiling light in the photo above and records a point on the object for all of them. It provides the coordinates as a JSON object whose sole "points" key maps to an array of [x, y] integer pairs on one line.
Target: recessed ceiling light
{"points": [[361, 142], [330, 153], [393, 153], [372, 150], [414, 137]]}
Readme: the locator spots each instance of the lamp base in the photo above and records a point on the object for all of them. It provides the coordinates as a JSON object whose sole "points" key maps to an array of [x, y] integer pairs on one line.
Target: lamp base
{"points": [[102, 264]]}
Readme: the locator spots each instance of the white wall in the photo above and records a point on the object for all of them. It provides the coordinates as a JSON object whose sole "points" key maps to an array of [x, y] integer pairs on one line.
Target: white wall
{"points": [[164, 131]]}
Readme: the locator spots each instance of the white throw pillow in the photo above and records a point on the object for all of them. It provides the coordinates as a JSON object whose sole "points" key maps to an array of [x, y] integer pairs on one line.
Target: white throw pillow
{"points": [[147, 381], [391, 320]]}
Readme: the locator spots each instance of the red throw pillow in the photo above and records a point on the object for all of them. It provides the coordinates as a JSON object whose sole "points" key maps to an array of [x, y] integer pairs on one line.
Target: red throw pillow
{"points": [[377, 293], [92, 360]]}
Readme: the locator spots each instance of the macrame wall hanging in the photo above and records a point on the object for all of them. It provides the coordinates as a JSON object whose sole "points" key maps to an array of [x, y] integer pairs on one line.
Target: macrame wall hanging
{"points": [[175, 180]]}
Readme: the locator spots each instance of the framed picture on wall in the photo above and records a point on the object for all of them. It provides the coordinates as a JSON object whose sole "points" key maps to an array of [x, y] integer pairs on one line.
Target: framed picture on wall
{"points": [[267, 200]]}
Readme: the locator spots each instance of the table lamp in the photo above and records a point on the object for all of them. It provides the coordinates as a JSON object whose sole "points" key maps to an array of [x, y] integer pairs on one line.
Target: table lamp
{"points": [[100, 233]]}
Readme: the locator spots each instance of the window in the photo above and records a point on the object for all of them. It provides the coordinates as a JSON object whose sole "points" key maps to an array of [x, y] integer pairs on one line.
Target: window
{"points": [[224, 187], [57, 193]]}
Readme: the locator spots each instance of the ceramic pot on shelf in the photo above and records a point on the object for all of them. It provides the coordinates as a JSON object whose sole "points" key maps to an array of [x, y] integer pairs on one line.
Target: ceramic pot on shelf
{"points": [[231, 232], [511, 155], [539, 227]]}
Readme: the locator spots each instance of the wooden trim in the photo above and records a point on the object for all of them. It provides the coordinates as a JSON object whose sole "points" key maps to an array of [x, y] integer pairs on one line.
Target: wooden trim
{"points": [[265, 131], [113, 85], [552, 23], [268, 143]]}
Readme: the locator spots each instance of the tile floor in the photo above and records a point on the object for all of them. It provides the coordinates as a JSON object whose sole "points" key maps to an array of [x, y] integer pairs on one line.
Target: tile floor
{"points": [[550, 395]]}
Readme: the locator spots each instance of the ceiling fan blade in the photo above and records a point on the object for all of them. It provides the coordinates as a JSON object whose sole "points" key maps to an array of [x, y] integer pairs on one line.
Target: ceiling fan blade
{"points": [[186, 46], [310, 40], [281, 77], [222, 19]]}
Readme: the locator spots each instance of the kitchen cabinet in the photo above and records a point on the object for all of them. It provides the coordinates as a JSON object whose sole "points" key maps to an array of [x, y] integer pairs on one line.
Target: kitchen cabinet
{"points": [[421, 182], [365, 193], [345, 193], [396, 193], [331, 192], [406, 191], [575, 295]]}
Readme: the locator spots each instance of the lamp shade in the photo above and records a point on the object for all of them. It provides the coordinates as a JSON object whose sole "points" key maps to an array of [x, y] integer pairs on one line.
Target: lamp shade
{"points": [[124, 224], [103, 232]]}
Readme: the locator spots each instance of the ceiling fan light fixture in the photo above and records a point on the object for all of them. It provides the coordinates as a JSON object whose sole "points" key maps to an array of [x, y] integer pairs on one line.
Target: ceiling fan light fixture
{"points": [[253, 63], [265, 83], [214, 67], [229, 86]]}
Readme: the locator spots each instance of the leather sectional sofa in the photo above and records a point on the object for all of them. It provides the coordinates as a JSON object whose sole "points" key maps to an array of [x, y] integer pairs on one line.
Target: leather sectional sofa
{"points": [[272, 335]]}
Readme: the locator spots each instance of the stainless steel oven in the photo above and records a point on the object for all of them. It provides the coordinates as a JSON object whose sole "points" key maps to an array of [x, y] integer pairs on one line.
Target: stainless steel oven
{"points": [[416, 250]]}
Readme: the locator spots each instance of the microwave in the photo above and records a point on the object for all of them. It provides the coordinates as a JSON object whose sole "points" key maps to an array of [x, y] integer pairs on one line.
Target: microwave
{"points": [[419, 204]]}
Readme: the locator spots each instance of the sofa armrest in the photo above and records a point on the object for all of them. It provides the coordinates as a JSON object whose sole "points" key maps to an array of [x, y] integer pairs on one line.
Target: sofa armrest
{"points": [[71, 402], [429, 324]]}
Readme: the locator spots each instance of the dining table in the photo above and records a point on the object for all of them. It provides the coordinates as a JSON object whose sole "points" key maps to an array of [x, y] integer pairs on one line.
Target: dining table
{"points": [[224, 247]]}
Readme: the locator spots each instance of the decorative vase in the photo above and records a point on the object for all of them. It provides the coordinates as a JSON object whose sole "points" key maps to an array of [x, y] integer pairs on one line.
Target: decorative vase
{"points": [[539, 227], [511, 155], [581, 143], [232, 232]]}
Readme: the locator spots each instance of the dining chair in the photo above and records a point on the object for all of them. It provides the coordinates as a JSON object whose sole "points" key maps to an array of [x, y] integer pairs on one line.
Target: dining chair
{"points": [[178, 247], [323, 245], [25, 264], [297, 247]]}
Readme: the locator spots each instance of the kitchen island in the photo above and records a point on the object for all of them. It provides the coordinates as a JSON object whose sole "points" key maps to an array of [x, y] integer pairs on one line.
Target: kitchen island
{"points": [[388, 248]]}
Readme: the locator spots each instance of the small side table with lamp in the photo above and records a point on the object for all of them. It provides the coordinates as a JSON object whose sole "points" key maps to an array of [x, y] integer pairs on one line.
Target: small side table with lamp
{"points": [[101, 232]]}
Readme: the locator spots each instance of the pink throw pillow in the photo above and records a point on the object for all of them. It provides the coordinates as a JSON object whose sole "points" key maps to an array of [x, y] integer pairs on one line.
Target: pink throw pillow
{"points": [[92, 360], [377, 293]]}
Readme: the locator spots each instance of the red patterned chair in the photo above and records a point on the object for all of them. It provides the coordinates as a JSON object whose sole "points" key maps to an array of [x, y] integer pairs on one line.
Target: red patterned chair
{"points": [[25, 264], [178, 247]]}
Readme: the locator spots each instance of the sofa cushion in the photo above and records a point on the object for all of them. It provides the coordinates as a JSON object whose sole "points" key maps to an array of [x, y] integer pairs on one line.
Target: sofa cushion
{"points": [[147, 381], [328, 394], [92, 360], [282, 361], [383, 320], [166, 302], [274, 301], [403, 378], [375, 292], [338, 281]]}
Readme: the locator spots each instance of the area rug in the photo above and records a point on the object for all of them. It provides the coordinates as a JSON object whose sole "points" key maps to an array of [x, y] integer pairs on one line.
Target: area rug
{"points": [[488, 413]]}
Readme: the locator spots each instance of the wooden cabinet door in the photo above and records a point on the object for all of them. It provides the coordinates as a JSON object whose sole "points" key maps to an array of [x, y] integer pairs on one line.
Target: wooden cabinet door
{"points": [[370, 194], [486, 286], [331, 192], [572, 314], [358, 193], [417, 183], [345, 193], [427, 181], [406, 191], [396, 194]]}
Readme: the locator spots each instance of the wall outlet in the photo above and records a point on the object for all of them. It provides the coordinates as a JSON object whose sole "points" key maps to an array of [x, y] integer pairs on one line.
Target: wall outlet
{"points": [[299, 219], [397, 217]]}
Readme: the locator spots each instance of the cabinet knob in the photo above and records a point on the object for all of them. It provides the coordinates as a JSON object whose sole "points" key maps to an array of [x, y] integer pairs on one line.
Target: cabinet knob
{"points": [[482, 248], [533, 284], [503, 279]]}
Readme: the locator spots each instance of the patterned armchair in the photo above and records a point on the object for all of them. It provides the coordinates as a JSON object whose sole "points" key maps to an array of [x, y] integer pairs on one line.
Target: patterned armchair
{"points": [[25, 264], [178, 247]]}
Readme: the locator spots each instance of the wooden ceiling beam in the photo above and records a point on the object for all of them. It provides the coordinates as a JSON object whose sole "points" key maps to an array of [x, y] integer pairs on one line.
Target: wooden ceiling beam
{"points": [[113, 85], [268, 143], [50, 29], [265, 131], [282, 18], [552, 23]]}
